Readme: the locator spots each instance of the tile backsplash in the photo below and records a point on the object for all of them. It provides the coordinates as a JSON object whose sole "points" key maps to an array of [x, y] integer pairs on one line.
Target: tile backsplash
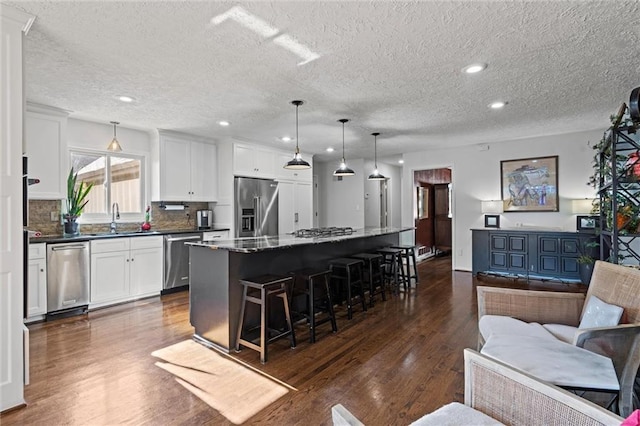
{"points": [[40, 213]]}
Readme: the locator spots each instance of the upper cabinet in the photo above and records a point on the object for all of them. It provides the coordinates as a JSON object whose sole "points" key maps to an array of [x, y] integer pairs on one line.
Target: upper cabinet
{"points": [[253, 161], [260, 162], [187, 169], [46, 149]]}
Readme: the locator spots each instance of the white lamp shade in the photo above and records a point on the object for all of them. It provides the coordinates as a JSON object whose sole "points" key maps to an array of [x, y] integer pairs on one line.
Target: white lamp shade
{"points": [[492, 206], [582, 206]]}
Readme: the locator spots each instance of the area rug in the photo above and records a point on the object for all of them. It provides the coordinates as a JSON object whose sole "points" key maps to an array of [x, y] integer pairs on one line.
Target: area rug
{"points": [[236, 391]]}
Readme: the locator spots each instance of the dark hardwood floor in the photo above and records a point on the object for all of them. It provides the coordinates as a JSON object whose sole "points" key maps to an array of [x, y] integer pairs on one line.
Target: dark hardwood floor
{"points": [[389, 365]]}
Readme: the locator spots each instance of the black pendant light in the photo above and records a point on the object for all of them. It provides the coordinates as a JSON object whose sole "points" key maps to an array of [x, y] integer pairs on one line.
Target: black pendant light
{"points": [[343, 170], [114, 145], [376, 174], [297, 163]]}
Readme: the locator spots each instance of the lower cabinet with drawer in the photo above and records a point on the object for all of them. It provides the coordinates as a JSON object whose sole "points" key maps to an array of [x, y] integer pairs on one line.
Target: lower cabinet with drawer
{"points": [[125, 269], [538, 254], [37, 282]]}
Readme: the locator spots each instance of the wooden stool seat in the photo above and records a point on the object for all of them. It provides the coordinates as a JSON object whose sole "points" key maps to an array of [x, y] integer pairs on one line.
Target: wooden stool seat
{"points": [[409, 253], [394, 269], [346, 273], [314, 285], [373, 275], [259, 290]]}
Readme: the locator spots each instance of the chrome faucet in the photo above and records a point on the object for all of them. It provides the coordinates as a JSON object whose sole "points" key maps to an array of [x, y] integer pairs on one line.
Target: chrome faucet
{"points": [[115, 214]]}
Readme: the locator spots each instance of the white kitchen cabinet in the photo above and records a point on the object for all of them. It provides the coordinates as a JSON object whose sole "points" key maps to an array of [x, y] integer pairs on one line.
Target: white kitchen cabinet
{"points": [[46, 149], [187, 169], [294, 206], [37, 285], [125, 269], [253, 161], [282, 158]]}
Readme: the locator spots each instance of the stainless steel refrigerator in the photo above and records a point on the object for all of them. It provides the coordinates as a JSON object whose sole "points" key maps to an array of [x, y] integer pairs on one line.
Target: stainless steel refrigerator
{"points": [[256, 207]]}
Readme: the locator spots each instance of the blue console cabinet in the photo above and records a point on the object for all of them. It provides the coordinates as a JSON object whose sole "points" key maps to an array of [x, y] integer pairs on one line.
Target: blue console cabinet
{"points": [[533, 253]]}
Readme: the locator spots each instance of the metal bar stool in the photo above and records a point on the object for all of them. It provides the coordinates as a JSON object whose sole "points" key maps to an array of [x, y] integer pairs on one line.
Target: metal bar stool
{"points": [[314, 285], [394, 270], [260, 290], [347, 273], [409, 254], [373, 274]]}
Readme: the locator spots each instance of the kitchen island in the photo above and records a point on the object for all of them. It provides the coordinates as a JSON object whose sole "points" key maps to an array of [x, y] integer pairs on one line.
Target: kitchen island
{"points": [[216, 269]]}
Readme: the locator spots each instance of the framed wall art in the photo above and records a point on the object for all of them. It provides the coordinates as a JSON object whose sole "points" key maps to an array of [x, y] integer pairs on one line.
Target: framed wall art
{"points": [[530, 184], [492, 221], [587, 224]]}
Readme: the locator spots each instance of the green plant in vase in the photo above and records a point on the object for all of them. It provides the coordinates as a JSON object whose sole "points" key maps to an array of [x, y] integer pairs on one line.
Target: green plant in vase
{"points": [[75, 202]]}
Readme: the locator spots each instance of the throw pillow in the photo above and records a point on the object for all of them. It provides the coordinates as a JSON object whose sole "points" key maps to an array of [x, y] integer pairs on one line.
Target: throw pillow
{"points": [[600, 314]]}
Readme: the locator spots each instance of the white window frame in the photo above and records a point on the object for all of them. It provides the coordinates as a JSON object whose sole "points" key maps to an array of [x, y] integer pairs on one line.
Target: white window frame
{"points": [[106, 216]]}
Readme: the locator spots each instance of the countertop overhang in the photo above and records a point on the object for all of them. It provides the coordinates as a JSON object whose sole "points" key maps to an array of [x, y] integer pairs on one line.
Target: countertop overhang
{"points": [[252, 245]]}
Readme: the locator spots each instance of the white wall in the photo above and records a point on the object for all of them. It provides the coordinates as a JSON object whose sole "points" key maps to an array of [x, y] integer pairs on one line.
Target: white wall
{"points": [[476, 177], [341, 203]]}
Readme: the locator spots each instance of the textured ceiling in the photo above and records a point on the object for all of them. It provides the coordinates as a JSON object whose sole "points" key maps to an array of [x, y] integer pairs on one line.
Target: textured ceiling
{"points": [[393, 67]]}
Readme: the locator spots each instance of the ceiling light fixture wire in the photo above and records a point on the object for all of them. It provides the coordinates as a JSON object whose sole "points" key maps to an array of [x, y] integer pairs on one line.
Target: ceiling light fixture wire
{"points": [[297, 163], [376, 174]]}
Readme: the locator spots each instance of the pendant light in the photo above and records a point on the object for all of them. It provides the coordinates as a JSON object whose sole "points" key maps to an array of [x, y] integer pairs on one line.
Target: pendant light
{"points": [[297, 163], [114, 145], [343, 170], [376, 174]]}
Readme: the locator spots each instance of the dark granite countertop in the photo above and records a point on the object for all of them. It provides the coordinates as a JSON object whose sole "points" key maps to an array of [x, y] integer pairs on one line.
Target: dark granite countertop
{"points": [[251, 245], [102, 235]]}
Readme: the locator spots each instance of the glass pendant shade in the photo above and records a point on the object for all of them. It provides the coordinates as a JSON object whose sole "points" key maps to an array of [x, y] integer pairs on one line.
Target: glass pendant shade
{"points": [[297, 163], [376, 174], [343, 169], [114, 145]]}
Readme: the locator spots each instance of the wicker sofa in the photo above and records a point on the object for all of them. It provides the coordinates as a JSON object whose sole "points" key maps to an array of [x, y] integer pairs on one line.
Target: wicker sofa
{"points": [[614, 284], [495, 394]]}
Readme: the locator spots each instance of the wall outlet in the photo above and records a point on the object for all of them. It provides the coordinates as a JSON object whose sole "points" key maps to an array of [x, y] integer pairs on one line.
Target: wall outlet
{"points": [[54, 216]]}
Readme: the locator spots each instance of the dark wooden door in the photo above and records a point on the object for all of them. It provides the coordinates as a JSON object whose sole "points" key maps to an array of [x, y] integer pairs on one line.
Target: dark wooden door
{"points": [[442, 219], [424, 226]]}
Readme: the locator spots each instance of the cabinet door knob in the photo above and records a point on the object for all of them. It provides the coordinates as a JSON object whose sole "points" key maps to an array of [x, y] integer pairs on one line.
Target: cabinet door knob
{"points": [[132, 259], [127, 260], [41, 270]]}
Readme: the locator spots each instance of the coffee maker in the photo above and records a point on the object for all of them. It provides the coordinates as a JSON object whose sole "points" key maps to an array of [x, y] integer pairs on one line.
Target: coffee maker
{"points": [[204, 219]]}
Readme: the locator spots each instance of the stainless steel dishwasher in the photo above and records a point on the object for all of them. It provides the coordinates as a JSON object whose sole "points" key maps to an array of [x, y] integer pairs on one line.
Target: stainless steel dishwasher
{"points": [[68, 267], [176, 260]]}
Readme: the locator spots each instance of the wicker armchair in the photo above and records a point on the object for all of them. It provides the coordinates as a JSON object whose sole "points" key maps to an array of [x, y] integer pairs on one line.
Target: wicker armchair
{"points": [[508, 396], [614, 284]]}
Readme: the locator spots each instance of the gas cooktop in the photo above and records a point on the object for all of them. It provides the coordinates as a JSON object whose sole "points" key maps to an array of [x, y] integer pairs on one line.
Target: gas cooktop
{"points": [[323, 232]]}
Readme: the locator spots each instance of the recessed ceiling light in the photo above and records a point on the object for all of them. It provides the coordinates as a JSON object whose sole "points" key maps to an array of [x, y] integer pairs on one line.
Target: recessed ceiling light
{"points": [[474, 68], [285, 139], [127, 99], [401, 161], [497, 105], [223, 123], [329, 149]]}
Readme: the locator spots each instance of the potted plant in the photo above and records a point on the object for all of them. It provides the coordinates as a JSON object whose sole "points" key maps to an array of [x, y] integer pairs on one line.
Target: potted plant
{"points": [[586, 260], [75, 202]]}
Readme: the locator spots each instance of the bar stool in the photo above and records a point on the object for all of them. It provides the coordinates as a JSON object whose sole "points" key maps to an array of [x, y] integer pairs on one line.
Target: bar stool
{"points": [[314, 285], [409, 254], [348, 274], [394, 270], [259, 290], [373, 274]]}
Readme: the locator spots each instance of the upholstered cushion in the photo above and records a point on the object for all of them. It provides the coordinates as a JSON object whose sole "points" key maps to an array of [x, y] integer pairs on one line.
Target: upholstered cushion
{"points": [[561, 332], [456, 414], [600, 314], [498, 324]]}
